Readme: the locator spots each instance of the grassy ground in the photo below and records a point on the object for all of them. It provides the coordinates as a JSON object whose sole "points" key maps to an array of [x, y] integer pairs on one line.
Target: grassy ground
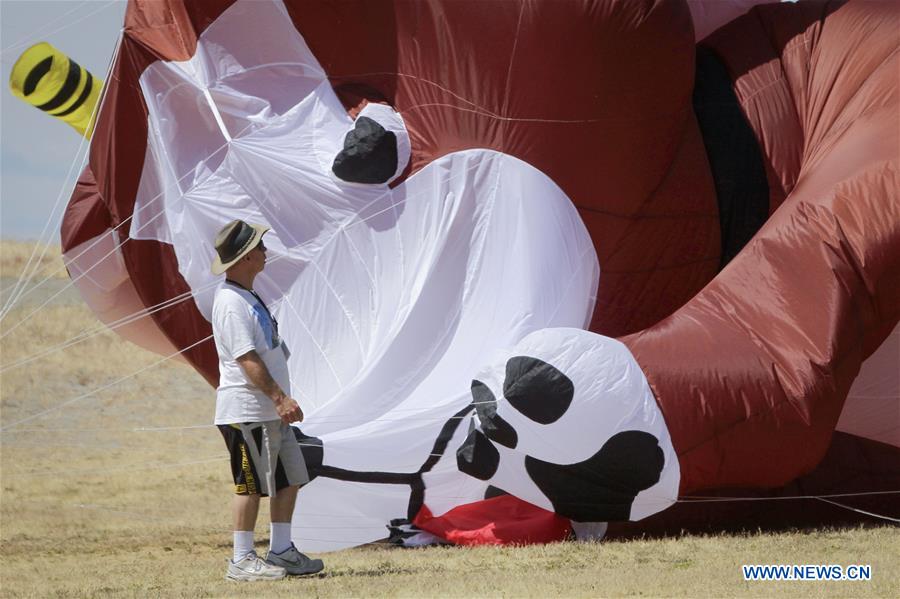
{"points": [[93, 504], [44, 259]]}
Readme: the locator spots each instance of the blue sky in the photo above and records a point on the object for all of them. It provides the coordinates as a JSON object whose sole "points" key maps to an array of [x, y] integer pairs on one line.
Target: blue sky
{"points": [[38, 151]]}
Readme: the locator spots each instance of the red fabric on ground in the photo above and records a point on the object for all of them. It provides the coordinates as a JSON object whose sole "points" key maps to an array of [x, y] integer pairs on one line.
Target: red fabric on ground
{"points": [[503, 520]]}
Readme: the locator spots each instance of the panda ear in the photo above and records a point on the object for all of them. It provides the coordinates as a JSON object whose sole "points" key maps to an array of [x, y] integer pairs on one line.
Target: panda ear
{"points": [[537, 390], [494, 427]]}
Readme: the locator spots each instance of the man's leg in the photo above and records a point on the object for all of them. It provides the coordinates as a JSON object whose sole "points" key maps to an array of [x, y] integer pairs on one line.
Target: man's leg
{"points": [[245, 502], [244, 510], [281, 550], [245, 564], [281, 507], [288, 475]]}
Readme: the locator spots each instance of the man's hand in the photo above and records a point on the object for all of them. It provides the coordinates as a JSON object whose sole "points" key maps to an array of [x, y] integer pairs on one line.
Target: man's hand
{"points": [[259, 375], [288, 409]]}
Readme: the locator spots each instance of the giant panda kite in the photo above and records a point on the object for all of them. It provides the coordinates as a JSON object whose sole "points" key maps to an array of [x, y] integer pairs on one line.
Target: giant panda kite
{"points": [[470, 200]]}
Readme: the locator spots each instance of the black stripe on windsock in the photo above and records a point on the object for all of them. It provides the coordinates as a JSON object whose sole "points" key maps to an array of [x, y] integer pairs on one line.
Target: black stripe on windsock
{"points": [[81, 99], [35, 74], [68, 88]]}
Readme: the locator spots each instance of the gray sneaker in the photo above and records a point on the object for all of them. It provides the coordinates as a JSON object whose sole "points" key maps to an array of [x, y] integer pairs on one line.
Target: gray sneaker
{"points": [[252, 568], [295, 562]]}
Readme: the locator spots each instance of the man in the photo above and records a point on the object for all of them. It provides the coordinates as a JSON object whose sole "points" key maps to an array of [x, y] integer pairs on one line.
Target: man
{"points": [[253, 409]]}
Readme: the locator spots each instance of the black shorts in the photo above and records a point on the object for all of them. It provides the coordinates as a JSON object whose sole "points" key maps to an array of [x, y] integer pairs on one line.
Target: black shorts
{"points": [[261, 464]]}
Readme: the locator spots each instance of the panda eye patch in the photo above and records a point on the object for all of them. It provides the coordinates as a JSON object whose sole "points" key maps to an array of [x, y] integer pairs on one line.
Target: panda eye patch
{"points": [[537, 390], [477, 456], [494, 427]]}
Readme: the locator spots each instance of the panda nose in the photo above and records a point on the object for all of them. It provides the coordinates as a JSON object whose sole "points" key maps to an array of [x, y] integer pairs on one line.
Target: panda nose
{"points": [[369, 154]]}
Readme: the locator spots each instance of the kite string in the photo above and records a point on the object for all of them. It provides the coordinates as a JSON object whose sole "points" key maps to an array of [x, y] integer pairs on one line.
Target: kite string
{"points": [[725, 498], [90, 333], [99, 239], [115, 229], [354, 419], [154, 464], [104, 387], [683, 499], [853, 509], [113, 383], [142, 516], [28, 271], [84, 273], [38, 33], [692, 499], [141, 313], [151, 465], [343, 227], [94, 112], [121, 322]]}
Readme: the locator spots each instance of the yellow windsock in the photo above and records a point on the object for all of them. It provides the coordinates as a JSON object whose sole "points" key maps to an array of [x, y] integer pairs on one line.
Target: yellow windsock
{"points": [[51, 81]]}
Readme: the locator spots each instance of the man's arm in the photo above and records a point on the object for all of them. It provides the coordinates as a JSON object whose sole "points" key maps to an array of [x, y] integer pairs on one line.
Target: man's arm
{"points": [[259, 375]]}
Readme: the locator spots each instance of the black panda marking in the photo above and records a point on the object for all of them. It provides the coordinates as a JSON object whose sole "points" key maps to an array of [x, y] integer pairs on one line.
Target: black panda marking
{"points": [[312, 450], [537, 390], [369, 154], [495, 427], [477, 456], [603, 487], [493, 491]]}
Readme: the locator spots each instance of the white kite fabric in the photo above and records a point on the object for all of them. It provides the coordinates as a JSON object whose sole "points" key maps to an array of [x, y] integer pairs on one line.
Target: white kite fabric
{"points": [[391, 300], [581, 415]]}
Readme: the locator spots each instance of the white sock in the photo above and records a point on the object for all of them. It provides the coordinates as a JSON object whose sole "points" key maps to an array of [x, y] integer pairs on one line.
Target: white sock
{"points": [[243, 544], [280, 538]]}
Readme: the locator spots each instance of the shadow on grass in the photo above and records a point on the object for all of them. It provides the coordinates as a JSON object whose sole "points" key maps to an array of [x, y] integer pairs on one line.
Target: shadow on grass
{"points": [[856, 473], [766, 515], [366, 572]]}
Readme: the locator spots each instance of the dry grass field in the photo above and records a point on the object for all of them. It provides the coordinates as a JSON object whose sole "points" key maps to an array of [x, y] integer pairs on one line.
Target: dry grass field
{"points": [[94, 503]]}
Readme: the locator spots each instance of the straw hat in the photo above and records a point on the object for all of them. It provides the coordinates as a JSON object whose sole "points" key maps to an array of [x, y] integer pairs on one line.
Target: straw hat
{"points": [[234, 241]]}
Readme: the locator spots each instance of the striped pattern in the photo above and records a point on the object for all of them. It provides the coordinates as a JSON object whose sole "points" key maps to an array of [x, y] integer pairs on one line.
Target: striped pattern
{"points": [[54, 83]]}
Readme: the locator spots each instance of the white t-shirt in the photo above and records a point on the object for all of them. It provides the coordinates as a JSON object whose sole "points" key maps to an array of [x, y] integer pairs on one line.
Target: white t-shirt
{"points": [[240, 324]]}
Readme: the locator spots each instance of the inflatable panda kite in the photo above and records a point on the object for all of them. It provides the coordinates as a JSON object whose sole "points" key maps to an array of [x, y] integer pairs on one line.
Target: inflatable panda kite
{"points": [[567, 422], [436, 274]]}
